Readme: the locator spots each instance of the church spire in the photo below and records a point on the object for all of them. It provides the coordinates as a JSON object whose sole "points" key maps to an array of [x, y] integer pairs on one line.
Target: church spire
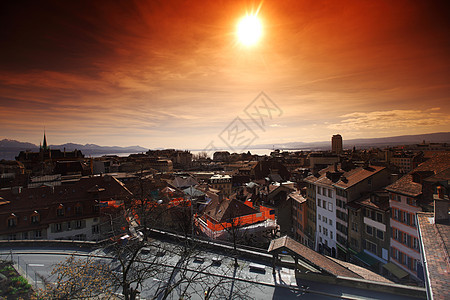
{"points": [[44, 146]]}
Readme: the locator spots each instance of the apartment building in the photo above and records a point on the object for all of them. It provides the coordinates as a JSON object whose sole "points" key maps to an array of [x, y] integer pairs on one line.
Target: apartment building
{"points": [[409, 195], [329, 193], [222, 183], [58, 212], [374, 230], [299, 216]]}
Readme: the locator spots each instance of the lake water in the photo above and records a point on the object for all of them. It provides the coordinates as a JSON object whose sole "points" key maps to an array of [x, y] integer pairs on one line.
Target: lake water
{"points": [[261, 151]]}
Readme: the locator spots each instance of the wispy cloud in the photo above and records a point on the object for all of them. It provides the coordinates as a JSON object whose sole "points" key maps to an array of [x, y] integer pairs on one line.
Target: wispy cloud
{"points": [[392, 120]]}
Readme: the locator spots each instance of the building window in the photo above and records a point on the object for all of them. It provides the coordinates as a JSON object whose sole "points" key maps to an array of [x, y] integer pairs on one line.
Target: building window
{"points": [[395, 213], [12, 220], [58, 227], [69, 225], [415, 243], [330, 222], [319, 202], [331, 234], [319, 190], [414, 264], [60, 211], [411, 201], [25, 235], [324, 204], [95, 229], [394, 233], [355, 227], [379, 217], [371, 247], [380, 234], [369, 230], [394, 253], [330, 206], [78, 224], [78, 209], [12, 237], [320, 217], [37, 234], [35, 217]]}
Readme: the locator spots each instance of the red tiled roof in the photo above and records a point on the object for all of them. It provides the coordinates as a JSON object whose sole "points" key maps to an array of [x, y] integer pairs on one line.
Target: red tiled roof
{"points": [[382, 202], [352, 176], [406, 186], [45, 201], [435, 239], [297, 196], [221, 211]]}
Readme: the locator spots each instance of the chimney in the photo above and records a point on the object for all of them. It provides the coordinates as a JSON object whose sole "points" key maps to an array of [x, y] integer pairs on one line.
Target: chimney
{"points": [[16, 190], [440, 192], [441, 205]]}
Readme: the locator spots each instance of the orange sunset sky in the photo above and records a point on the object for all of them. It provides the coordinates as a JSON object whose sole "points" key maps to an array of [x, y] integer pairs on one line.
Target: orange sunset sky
{"points": [[172, 73]]}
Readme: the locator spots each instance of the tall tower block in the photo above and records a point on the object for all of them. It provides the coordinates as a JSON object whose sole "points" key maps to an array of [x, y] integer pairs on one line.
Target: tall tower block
{"points": [[336, 144]]}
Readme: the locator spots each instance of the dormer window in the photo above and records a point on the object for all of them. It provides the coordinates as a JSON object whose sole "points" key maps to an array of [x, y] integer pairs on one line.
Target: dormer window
{"points": [[78, 209], [12, 220], [60, 211], [35, 217]]}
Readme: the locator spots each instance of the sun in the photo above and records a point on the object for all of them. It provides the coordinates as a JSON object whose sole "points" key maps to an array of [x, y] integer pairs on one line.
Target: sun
{"points": [[249, 30]]}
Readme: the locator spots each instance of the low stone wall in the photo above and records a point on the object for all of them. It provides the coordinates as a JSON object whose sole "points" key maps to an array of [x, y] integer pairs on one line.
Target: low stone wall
{"points": [[63, 244], [393, 288]]}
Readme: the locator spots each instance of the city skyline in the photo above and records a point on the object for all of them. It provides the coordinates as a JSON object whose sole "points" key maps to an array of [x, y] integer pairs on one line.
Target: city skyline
{"points": [[173, 75]]}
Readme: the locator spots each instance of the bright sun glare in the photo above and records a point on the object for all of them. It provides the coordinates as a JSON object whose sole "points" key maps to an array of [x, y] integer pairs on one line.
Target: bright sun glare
{"points": [[249, 30]]}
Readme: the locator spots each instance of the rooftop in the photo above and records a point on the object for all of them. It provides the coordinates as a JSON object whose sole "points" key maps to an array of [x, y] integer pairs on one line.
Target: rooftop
{"points": [[406, 185], [435, 239]]}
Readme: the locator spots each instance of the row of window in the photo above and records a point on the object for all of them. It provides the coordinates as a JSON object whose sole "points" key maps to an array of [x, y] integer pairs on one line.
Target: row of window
{"points": [[398, 198], [340, 203], [325, 220], [405, 239], [324, 204], [403, 217], [325, 191], [13, 219], [298, 206], [341, 193], [375, 232], [368, 245], [37, 234], [341, 239], [35, 217], [374, 215], [341, 215], [341, 228], [58, 227], [324, 230], [404, 259]]}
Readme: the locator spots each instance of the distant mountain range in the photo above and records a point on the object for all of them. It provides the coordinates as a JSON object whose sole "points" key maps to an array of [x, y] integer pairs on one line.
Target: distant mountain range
{"points": [[440, 137], [9, 149]]}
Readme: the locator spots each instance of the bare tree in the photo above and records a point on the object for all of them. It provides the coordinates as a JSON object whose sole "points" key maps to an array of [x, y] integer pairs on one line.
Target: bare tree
{"points": [[78, 279]]}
